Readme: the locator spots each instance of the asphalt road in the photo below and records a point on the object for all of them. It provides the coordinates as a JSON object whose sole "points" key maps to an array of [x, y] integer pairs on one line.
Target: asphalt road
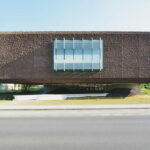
{"points": [[75, 133]]}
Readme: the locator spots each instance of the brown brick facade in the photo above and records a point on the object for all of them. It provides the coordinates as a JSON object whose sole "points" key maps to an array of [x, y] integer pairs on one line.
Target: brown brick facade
{"points": [[27, 58]]}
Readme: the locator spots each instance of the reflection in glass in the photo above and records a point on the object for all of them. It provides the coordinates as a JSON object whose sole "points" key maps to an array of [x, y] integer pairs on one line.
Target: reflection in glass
{"points": [[78, 55]]}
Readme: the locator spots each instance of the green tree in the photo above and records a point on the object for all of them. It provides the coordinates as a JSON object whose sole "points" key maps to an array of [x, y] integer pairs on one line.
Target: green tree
{"points": [[25, 87]]}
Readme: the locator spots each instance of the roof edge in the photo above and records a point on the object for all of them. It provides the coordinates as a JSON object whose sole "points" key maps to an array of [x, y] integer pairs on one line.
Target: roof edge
{"points": [[74, 32]]}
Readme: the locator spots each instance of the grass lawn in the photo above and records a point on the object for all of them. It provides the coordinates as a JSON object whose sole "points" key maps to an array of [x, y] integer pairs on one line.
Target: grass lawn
{"points": [[138, 99], [3, 101], [146, 91]]}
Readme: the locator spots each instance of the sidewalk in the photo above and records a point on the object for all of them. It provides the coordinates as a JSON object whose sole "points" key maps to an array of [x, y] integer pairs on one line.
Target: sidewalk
{"points": [[75, 107]]}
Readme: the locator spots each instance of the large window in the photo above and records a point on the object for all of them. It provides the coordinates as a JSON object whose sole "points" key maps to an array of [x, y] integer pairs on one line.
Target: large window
{"points": [[78, 55]]}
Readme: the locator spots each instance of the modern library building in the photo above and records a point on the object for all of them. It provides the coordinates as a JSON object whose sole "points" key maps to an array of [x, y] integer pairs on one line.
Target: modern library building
{"points": [[74, 57]]}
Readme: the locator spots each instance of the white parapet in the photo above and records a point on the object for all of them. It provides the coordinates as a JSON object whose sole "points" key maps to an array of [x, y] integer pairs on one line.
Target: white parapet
{"points": [[54, 96], [25, 97]]}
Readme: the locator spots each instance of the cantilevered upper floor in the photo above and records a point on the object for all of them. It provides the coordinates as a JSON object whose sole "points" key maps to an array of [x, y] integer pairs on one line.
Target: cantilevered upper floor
{"points": [[75, 57]]}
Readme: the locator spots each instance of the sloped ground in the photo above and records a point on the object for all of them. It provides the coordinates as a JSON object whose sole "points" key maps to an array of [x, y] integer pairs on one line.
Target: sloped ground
{"points": [[122, 92]]}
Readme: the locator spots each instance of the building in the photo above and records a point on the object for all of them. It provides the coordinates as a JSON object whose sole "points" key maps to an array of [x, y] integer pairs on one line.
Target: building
{"points": [[75, 57]]}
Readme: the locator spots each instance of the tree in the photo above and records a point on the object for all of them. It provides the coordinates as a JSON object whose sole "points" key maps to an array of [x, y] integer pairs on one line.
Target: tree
{"points": [[25, 87]]}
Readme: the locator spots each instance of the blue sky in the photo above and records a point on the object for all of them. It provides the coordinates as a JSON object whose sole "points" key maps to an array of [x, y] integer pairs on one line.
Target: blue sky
{"points": [[74, 15]]}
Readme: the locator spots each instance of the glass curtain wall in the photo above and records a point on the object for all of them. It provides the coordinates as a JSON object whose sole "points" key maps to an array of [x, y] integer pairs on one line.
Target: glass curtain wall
{"points": [[78, 55]]}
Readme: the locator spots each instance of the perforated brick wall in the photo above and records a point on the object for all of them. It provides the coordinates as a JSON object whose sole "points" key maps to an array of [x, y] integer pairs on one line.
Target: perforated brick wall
{"points": [[27, 58]]}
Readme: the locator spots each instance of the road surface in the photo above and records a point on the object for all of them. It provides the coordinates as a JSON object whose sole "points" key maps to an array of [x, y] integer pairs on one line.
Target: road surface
{"points": [[76, 132]]}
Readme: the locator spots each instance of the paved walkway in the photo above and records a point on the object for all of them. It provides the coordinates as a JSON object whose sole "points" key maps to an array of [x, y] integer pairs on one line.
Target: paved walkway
{"points": [[74, 107]]}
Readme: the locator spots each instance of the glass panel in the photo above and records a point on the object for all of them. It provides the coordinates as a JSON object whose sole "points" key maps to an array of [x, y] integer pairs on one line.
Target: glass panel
{"points": [[55, 59], [102, 54], [87, 55], [78, 55], [60, 66], [60, 44], [96, 44], [96, 59], [96, 66], [60, 59], [96, 55], [69, 55]]}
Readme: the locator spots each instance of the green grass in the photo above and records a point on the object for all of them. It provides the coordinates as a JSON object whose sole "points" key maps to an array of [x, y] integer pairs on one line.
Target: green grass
{"points": [[3, 101], [138, 99], [146, 91]]}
